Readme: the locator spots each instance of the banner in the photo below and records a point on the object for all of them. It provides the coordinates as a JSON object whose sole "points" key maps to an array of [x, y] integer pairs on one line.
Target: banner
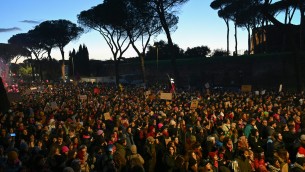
{"points": [[166, 96]]}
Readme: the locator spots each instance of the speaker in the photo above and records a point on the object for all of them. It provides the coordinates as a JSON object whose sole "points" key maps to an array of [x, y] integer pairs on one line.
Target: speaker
{"points": [[4, 102]]}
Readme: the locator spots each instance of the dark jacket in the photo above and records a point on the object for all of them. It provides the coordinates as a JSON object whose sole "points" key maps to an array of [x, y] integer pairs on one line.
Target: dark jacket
{"points": [[243, 164], [169, 162], [297, 168]]}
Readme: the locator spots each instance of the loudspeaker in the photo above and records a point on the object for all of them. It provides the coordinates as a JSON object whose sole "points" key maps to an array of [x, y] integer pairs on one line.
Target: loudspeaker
{"points": [[4, 102]]}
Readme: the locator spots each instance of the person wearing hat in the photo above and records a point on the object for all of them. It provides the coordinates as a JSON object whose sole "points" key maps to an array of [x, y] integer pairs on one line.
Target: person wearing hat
{"points": [[301, 149], [149, 154]]}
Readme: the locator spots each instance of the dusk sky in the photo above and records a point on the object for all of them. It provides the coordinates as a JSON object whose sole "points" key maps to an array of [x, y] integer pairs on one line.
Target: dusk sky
{"points": [[198, 25]]}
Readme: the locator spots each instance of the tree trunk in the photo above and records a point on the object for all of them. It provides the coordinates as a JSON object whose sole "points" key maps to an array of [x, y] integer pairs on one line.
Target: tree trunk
{"points": [[40, 71], [33, 69], [143, 67], [49, 54], [142, 62], [249, 40], [63, 64], [302, 27], [165, 27], [228, 37], [235, 35], [116, 69]]}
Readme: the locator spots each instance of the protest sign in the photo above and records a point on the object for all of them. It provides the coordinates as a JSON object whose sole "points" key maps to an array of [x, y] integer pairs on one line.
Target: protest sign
{"points": [[166, 96], [194, 104], [83, 97], [107, 116], [246, 88]]}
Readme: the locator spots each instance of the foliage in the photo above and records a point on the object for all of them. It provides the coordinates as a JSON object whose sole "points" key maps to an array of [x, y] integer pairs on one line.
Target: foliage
{"points": [[219, 53], [9, 52], [200, 51], [79, 61], [25, 70], [102, 19], [163, 51]]}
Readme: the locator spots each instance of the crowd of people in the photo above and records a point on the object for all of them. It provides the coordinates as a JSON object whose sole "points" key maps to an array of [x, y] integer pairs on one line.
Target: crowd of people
{"points": [[101, 128]]}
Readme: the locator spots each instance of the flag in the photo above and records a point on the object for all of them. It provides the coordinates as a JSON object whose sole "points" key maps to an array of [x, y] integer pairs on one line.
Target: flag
{"points": [[173, 85]]}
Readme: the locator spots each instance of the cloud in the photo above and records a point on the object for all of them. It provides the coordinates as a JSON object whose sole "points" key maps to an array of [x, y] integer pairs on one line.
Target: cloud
{"points": [[9, 29], [30, 21]]}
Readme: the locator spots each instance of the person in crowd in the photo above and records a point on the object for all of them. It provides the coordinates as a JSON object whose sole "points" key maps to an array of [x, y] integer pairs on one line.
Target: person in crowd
{"points": [[299, 165], [134, 159], [56, 129], [169, 159], [150, 154]]}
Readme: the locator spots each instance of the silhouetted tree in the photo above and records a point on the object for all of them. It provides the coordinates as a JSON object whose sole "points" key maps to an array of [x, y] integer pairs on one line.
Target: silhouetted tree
{"points": [[166, 13], [46, 35], [219, 53], [9, 52], [200, 51], [80, 61], [140, 24], [248, 17], [62, 33], [220, 5], [31, 42], [163, 51], [106, 18]]}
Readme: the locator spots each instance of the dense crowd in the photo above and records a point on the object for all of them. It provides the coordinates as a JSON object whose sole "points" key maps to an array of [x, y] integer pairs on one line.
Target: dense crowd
{"points": [[100, 128]]}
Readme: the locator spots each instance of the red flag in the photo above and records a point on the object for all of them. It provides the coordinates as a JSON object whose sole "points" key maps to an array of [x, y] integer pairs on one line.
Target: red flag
{"points": [[173, 85]]}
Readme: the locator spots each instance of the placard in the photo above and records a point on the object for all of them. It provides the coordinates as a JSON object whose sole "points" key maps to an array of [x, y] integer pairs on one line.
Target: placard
{"points": [[166, 96], [246, 88], [194, 104], [83, 97], [107, 116], [281, 88]]}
